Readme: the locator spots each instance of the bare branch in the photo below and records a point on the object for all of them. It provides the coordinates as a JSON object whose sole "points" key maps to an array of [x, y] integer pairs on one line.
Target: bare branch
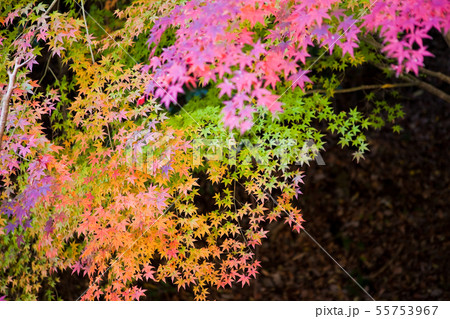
{"points": [[363, 87], [47, 65], [423, 85], [24, 62], [428, 87], [447, 38], [5, 99], [439, 75], [50, 7]]}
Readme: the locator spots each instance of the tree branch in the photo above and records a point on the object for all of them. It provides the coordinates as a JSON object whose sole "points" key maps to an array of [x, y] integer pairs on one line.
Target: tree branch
{"points": [[447, 38], [50, 7], [439, 75], [427, 87], [5, 99], [11, 84], [423, 85], [363, 87], [370, 39]]}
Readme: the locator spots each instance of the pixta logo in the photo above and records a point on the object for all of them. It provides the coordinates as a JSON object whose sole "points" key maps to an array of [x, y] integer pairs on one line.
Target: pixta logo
{"points": [[149, 151], [218, 150]]}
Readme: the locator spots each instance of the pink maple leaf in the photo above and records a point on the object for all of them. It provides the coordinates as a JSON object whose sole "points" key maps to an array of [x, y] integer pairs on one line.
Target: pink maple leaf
{"points": [[149, 272], [244, 280], [271, 102], [245, 126], [138, 292], [299, 79], [347, 47], [77, 268], [225, 87]]}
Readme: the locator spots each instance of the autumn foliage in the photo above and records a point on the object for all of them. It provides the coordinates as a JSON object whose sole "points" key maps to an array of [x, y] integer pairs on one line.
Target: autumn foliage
{"points": [[103, 123]]}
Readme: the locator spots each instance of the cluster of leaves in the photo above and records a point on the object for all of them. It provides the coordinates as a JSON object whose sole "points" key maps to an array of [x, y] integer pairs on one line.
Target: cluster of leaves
{"points": [[412, 20], [115, 200], [247, 47], [99, 178]]}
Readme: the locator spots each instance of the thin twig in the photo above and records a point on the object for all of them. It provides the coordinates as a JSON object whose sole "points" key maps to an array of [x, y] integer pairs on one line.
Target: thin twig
{"points": [[371, 40], [235, 211], [87, 31], [50, 7], [53, 73], [46, 69], [109, 136]]}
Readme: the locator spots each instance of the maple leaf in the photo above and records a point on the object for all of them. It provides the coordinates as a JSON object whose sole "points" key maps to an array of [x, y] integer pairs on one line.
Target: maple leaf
{"points": [[97, 294], [331, 41], [244, 279], [258, 49], [245, 126], [225, 88], [137, 293], [253, 15], [77, 268], [141, 100], [79, 182], [252, 272], [10, 227], [299, 79], [347, 47], [271, 102]]}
